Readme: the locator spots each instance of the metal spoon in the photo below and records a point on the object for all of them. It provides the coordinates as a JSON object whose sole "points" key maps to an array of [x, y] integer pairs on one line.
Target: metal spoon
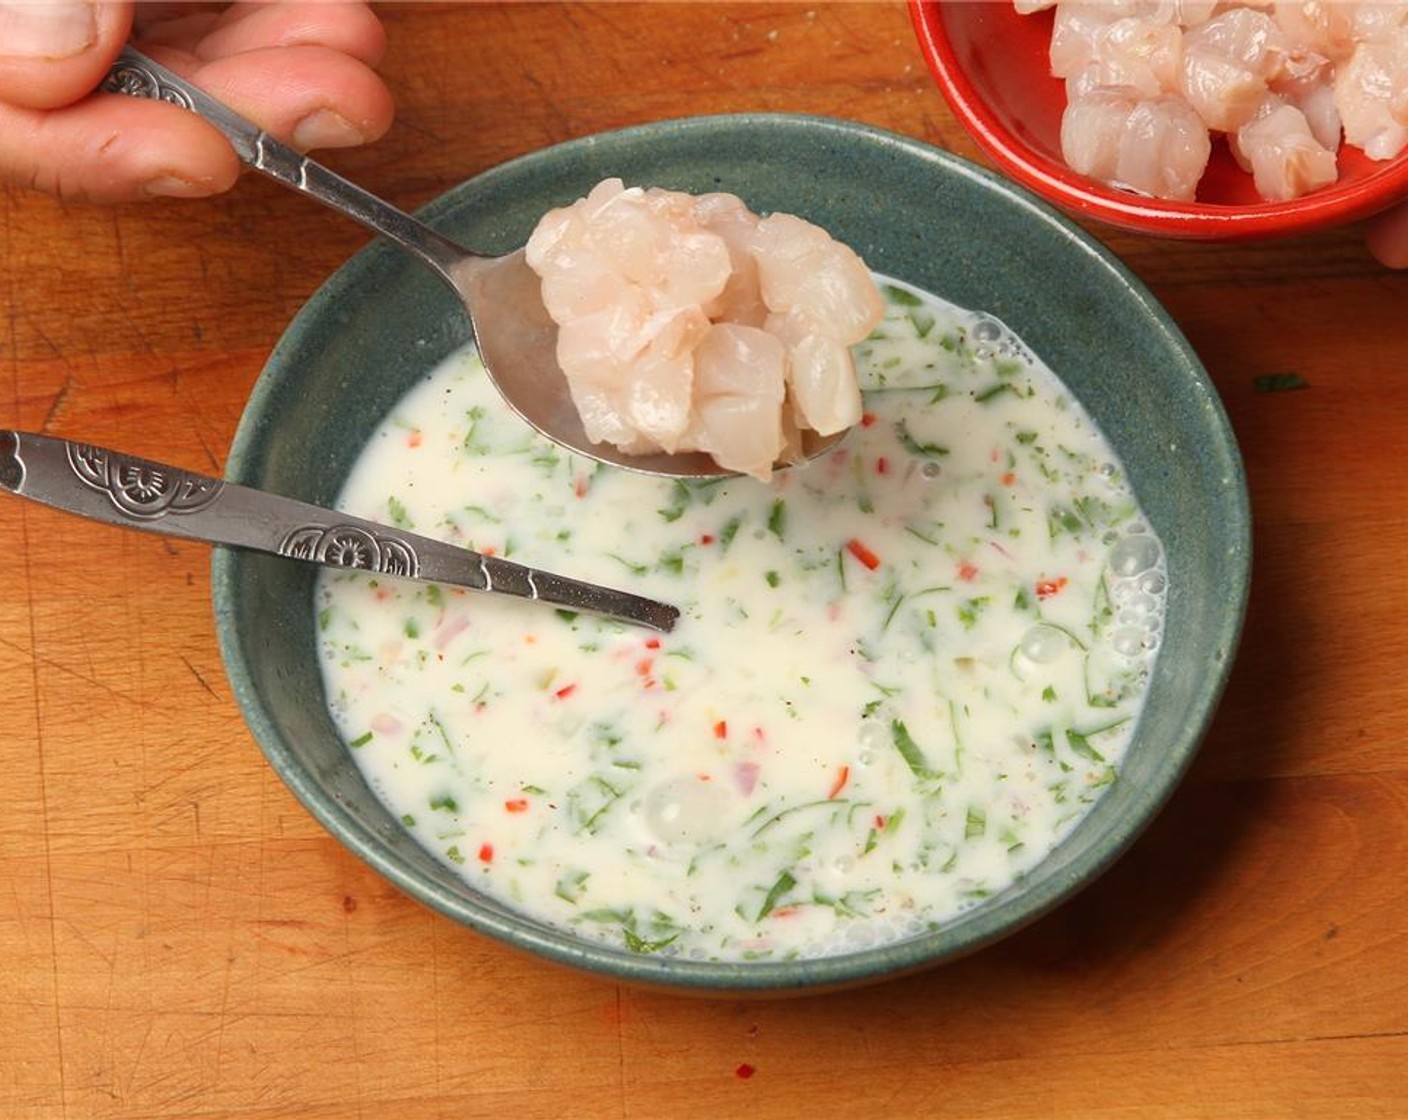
{"points": [[137, 493], [502, 295]]}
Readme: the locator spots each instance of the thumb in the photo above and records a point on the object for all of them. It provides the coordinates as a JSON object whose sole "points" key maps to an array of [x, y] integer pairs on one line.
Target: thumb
{"points": [[1387, 237], [55, 52]]}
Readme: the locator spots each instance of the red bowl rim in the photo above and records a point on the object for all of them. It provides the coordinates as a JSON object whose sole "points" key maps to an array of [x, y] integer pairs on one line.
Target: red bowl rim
{"points": [[1087, 198]]}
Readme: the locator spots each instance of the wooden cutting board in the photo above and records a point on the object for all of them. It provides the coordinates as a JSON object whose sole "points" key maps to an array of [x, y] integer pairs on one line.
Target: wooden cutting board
{"points": [[179, 939]]}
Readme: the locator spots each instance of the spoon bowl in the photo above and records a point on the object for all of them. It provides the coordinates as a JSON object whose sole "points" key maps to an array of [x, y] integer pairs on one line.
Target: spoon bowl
{"points": [[501, 295]]}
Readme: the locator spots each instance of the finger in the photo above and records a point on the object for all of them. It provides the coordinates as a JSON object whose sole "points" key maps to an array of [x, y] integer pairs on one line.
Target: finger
{"points": [[312, 96], [114, 149], [350, 28], [56, 54], [1387, 237]]}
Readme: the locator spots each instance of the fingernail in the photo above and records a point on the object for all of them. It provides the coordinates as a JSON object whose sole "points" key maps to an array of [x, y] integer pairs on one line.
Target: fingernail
{"points": [[37, 29], [173, 186], [326, 129]]}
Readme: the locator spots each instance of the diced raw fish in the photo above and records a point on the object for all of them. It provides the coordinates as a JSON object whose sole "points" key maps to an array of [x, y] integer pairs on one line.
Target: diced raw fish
{"points": [[1371, 93], [1307, 81], [1341, 66], [659, 397], [1073, 33], [1222, 91], [1285, 159], [1190, 13], [741, 300], [1164, 150], [1243, 35], [1138, 54], [1091, 128], [666, 304], [1156, 146], [742, 434], [802, 270], [1377, 22], [822, 378], [1325, 26], [736, 360]]}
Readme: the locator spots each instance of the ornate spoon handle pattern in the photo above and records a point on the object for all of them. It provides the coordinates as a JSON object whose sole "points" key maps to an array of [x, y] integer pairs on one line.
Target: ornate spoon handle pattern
{"points": [[120, 489]]}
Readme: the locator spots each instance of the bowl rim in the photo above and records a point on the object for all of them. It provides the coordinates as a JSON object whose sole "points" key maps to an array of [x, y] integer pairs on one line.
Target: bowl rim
{"points": [[719, 978], [1085, 197]]}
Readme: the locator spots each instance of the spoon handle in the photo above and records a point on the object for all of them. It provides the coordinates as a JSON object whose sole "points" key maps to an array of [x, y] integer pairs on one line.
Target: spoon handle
{"points": [[120, 489], [136, 75]]}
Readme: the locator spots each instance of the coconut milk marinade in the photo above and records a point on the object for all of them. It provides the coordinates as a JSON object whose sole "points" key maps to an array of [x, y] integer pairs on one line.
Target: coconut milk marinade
{"points": [[902, 673]]}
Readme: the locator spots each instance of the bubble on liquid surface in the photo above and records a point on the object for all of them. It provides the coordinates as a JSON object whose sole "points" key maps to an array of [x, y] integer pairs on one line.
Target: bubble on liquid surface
{"points": [[1153, 583], [1134, 554], [1133, 641], [684, 810], [871, 735], [987, 330], [1139, 606], [1041, 645]]}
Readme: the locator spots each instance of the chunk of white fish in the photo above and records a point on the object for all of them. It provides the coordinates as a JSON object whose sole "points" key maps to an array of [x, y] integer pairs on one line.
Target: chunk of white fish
{"points": [[691, 324]]}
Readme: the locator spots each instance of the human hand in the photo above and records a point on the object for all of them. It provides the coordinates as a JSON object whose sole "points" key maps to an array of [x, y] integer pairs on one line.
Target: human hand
{"points": [[303, 72], [1387, 237]]}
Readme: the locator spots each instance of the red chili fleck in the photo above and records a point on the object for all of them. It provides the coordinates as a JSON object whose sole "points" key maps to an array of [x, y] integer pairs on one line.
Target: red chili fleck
{"points": [[706, 538], [1045, 588], [565, 691], [967, 571], [581, 486], [784, 912], [517, 805], [652, 643], [644, 666], [843, 775], [882, 465], [867, 419], [486, 853], [744, 1072], [862, 553], [721, 729], [414, 439], [488, 550], [1009, 479], [879, 820]]}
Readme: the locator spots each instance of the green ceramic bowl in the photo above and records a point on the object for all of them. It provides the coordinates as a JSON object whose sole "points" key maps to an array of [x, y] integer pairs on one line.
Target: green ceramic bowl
{"points": [[913, 213]]}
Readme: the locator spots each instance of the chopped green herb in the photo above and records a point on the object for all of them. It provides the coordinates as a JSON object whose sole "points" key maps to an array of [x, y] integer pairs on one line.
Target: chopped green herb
{"points": [[917, 447], [1279, 382], [785, 882], [777, 519]]}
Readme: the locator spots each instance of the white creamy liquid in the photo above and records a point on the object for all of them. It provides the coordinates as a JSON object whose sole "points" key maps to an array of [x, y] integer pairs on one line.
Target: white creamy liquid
{"points": [[901, 675]]}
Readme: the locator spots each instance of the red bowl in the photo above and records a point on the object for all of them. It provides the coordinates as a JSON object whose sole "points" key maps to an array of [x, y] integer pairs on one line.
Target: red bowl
{"points": [[991, 65]]}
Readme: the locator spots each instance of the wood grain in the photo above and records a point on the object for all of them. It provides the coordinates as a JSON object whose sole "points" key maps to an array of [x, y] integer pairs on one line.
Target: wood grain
{"points": [[178, 938]]}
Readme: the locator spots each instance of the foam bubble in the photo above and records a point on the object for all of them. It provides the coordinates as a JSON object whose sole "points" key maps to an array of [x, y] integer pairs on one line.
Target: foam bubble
{"points": [[1134, 554], [684, 810], [1042, 645]]}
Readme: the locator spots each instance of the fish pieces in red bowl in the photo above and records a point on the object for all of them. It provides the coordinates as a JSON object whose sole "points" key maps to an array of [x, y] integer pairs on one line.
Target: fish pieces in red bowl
{"points": [[993, 65]]}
